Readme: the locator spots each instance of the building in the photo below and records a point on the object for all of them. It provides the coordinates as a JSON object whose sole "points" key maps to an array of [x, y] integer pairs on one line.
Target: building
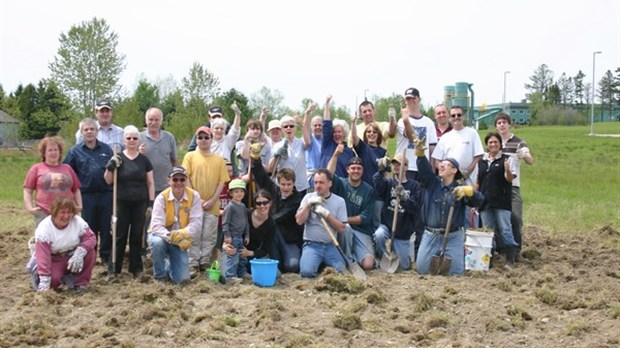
{"points": [[9, 128]]}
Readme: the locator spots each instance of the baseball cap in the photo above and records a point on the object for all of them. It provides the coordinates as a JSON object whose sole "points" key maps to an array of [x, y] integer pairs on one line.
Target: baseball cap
{"points": [[273, 124], [203, 129], [355, 160], [216, 111], [177, 171], [103, 104], [455, 164], [399, 158], [236, 184], [412, 92]]}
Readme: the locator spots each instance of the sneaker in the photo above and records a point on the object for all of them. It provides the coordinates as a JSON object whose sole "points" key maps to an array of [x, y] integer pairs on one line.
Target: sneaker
{"points": [[113, 277], [234, 280], [80, 289]]}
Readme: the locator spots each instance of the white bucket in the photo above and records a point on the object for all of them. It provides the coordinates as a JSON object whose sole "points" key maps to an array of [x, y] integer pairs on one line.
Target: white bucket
{"points": [[478, 246]]}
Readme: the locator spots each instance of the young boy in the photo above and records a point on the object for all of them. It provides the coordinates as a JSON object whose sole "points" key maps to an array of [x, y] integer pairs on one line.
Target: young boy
{"points": [[236, 229]]}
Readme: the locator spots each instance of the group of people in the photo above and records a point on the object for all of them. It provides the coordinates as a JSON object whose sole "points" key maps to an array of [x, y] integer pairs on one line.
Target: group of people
{"points": [[271, 194]]}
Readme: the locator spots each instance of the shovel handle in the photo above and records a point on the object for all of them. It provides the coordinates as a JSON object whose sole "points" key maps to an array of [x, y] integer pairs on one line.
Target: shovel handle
{"points": [[330, 232]]}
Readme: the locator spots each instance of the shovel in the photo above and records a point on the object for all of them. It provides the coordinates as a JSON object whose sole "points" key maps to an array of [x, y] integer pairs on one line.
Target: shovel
{"points": [[390, 261], [440, 264], [354, 268]]}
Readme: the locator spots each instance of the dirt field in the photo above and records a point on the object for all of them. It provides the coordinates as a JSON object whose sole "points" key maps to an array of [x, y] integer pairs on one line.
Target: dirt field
{"points": [[565, 293]]}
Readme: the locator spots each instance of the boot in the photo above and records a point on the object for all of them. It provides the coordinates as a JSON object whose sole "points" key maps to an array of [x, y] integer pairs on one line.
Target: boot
{"points": [[511, 254]]}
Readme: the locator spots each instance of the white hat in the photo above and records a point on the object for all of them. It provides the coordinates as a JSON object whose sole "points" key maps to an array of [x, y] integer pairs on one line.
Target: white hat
{"points": [[273, 124]]}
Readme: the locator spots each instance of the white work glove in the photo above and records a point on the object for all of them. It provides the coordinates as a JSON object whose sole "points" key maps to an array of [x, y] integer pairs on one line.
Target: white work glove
{"points": [[391, 113], [465, 173], [316, 200], [235, 108], [383, 164], [321, 211], [76, 262], [44, 283], [522, 151], [283, 151], [399, 191]]}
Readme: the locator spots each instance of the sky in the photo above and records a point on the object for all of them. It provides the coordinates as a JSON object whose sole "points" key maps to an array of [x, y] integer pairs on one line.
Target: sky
{"points": [[348, 49]]}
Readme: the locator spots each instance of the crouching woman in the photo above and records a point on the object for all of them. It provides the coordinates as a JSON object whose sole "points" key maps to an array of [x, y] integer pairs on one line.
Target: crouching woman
{"points": [[63, 250]]}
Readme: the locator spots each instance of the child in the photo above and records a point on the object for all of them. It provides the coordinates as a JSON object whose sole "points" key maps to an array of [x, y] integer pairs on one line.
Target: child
{"points": [[236, 229]]}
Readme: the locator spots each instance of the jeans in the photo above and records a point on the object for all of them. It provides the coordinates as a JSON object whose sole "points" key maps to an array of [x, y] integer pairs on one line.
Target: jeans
{"points": [[168, 260], [236, 265], [314, 254], [431, 245], [202, 246], [399, 246], [361, 245], [289, 254], [516, 216], [499, 219], [96, 211]]}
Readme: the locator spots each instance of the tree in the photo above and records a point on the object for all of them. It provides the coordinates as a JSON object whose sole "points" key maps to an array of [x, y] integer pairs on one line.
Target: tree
{"points": [[579, 88], [382, 104], [42, 110], [540, 81], [606, 91], [566, 89], [87, 66], [273, 99], [553, 95], [225, 101], [200, 84], [146, 95]]}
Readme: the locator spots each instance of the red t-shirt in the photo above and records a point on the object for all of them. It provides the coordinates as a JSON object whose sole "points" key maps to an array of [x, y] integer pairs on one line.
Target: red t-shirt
{"points": [[50, 182]]}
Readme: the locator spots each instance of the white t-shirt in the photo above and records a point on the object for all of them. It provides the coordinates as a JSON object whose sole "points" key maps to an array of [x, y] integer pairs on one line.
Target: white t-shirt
{"points": [[462, 145], [421, 126], [296, 161], [224, 146], [62, 240]]}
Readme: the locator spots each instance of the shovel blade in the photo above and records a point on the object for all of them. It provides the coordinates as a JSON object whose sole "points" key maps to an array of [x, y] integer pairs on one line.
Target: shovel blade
{"points": [[356, 271], [440, 265], [389, 262]]}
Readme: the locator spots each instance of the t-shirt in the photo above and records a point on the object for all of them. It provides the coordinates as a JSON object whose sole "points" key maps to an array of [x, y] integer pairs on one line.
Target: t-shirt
{"points": [[295, 160], [50, 182], [224, 146], [206, 172], [161, 153], [462, 145], [313, 229], [61, 240], [510, 147], [132, 184], [422, 126]]}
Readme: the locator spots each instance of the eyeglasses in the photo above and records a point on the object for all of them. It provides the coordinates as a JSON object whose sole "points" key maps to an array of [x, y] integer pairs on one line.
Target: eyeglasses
{"points": [[178, 179], [206, 137], [288, 126], [260, 203], [131, 138], [456, 115]]}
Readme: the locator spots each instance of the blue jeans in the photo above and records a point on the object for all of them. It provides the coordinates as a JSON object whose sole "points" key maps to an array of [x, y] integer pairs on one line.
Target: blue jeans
{"points": [[236, 265], [399, 246], [289, 253], [314, 254], [168, 260], [431, 245], [499, 219], [359, 245]]}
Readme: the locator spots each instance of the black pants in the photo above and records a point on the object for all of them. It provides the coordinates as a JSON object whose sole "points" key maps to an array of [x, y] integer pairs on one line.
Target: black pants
{"points": [[97, 212], [130, 224]]}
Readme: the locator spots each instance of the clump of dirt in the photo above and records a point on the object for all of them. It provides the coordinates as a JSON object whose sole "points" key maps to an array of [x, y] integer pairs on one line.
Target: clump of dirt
{"points": [[563, 292], [608, 230]]}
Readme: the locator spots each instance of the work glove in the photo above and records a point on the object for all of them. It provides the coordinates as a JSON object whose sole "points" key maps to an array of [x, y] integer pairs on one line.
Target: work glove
{"points": [[522, 151], [399, 191], [235, 108], [463, 191], [255, 150], [383, 164], [114, 163], [320, 211], [391, 113], [420, 147], [465, 173], [76, 262], [185, 243], [316, 200], [44, 283], [177, 236], [149, 211], [282, 152]]}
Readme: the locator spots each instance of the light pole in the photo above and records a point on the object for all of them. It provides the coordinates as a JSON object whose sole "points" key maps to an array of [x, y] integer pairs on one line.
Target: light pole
{"points": [[593, 85], [365, 99], [504, 95]]}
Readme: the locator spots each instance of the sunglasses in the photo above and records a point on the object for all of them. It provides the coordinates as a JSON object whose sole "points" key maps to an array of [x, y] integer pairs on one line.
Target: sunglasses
{"points": [[178, 179], [131, 138], [260, 203], [288, 126], [456, 115], [206, 137]]}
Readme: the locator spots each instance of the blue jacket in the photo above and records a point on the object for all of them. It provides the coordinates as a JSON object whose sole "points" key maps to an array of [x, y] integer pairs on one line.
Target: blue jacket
{"points": [[409, 205]]}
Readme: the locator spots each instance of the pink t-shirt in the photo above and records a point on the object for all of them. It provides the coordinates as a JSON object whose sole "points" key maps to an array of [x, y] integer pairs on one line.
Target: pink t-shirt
{"points": [[51, 182]]}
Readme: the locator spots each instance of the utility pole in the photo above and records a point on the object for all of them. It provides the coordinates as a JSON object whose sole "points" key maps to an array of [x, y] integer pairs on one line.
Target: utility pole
{"points": [[593, 89]]}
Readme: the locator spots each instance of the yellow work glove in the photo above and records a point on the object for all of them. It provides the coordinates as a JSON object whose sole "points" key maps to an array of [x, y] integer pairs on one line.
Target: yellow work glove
{"points": [[419, 147], [255, 150], [177, 236], [185, 243], [463, 191]]}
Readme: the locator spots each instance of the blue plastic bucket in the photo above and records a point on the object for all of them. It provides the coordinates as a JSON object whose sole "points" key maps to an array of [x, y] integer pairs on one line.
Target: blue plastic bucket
{"points": [[264, 271]]}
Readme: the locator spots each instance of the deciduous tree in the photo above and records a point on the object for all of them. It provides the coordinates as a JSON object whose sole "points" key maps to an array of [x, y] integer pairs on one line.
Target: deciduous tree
{"points": [[541, 80], [200, 84]]}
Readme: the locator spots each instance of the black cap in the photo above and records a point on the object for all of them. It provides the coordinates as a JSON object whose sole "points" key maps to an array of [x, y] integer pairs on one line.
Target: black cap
{"points": [[177, 171], [216, 111], [103, 104], [412, 92], [355, 160]]}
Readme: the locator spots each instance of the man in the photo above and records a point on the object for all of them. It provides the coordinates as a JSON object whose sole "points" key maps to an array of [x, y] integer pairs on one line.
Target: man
{"points": [[312, 128], [107, 132], [442, 122], [360, 200], [214, 112], [290, 153], [367, 113], [414, 125], [441, 192], [463, 144], [160, 147], [88, 159], [176, 221], [518, 150], [207, 174], [274, 131], [318, 247]]}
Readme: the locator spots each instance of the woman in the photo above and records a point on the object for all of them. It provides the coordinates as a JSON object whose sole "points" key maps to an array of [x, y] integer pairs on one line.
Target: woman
{"points": [[135, 193], [495, 182], [223, 143], [254, 135], [373, 137], [64, 250], [262, 230], [49, 179]]}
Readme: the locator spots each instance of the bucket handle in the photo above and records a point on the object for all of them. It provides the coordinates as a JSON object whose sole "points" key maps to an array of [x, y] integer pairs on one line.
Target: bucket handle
{"points": [[215, 265]]}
